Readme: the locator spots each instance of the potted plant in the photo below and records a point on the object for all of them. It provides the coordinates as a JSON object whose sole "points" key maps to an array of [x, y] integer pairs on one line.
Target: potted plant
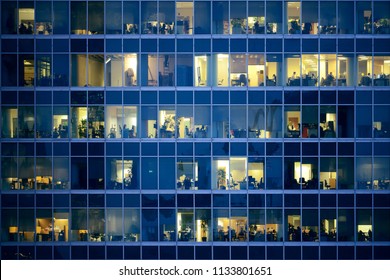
{"points": [[221, 173], [203, 226], [237, 24], [295, 27], [383, 26]]}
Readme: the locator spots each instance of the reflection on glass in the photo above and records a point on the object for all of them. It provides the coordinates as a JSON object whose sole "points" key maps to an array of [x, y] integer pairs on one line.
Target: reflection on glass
{"points": [[293, 18], [130, 17], [256, 17], [131, 225], [203, 225], [310, 17], [9, 124], [274, 226], [238, 20], [328, 123], [328, 226], [274, 17], [328, 17], [60, 173]]}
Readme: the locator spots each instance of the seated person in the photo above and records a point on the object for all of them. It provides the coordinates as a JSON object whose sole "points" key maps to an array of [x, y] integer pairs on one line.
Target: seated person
{"points": [[329, 79]]}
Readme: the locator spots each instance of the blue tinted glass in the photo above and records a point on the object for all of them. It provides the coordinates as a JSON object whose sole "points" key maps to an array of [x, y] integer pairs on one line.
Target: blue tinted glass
{"points": [[256, 97], [131, 97], [149, 200], [274, 45], [202, 200], [292, 45], [237, 45], [256, 45], [255, 149], [113, 149], [237, 97], [167, 149], [381, 45], [185, 200], [26, 97], [363, 45], [220, 149], [238, 200], [274, 97], [310, 45], [166, 45], [184, 149], [60, 149], [96, 45], [95, 149], [8, 45], [114, 45], [113, 200], [184, 97], [328, 45], [310, 97], [44, 200], [166, 97], [184, 45], [9, 97], [131, 149], [328, 97], [346, 45], [114, 97], [61, 200], [149, 149], [328, 148], [238, 149], [148, 97], [363, 97], [60, 45], [78, 45], [274, 149], [26, 45], [148, 45], [131, 45], [363, 149], [220, 200], [43, 45], [292, 97], [220, 97], [185, 253], [202, 97], [131, 200], [220, 45], [43, 149], [202, 45], [43, 97]]}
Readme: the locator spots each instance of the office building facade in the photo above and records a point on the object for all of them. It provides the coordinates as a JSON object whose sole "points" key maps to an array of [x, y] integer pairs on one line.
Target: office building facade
{"points": [[195, 129]]}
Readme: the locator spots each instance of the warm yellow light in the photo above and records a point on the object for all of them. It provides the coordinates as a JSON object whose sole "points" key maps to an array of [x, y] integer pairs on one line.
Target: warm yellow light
{"points": [[13, 229]]}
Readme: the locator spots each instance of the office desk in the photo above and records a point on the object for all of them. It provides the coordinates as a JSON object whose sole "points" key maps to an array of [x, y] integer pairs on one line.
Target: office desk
{"points": [[381, 82]]}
